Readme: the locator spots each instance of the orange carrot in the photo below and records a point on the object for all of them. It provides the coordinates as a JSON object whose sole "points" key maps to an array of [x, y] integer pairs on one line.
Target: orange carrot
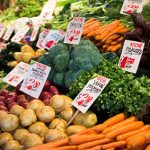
{"points": [[135, 143], [93, 144], [105, 46], [148, 147], [113, 43], [110, 149], [120, 39], [114, 145], [147, 138], [111, 121], [120, 124], [99, 31], [65, 148], [89, 22], [112, 38], [116, 47], [99, 128], [123, 129], [95, 148], [131, 133], [80, 139], [87, 131]]}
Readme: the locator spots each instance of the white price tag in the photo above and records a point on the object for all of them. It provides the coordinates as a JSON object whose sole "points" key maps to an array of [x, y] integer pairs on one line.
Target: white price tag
{"points": [[35, 79], [131, 55], [53, 38], [130, 6], [35, 32], [2, 30], [8, 33], [20, 34], [17, 74], [90, 92], [74, 30]]}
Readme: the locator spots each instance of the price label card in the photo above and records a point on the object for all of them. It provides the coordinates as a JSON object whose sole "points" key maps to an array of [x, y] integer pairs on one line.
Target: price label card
{"points": [[131, 55], [35, 79], [34, 33], [2, 30], [9, 31], [17, 74], [53, 38], [42, 37], [74, 30], [90, 92], [20, 34], [130, 6]]}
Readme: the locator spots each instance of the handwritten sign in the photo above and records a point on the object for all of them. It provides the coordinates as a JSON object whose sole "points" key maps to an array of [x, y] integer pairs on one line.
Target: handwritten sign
{"points": [[42, 37], [17, 74], [8, 33], [74, 30], [130, 6], [2, 30], [53, 38], [20, 34], [90, 92], [35, 32], [131, 55], [35, 79]]}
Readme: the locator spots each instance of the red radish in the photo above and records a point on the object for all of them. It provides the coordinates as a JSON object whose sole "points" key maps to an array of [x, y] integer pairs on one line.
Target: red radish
{"points": [[11, 104], [4, 93], [46, 101], [9, 101], [2, 98], [25, 104], [2, 103], [21, 99], [45, 95], [54, 90], [46, 86], [3, 108]]}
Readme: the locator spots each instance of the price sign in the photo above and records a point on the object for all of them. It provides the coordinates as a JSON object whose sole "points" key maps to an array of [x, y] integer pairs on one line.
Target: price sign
{"points": [[2, 30], [131, 55], [35, 32], [42, 37], [35, 79], [74, 30], [8, 33], [53, 38], [17, 74], [130, 6], [20, 34], [90, 92]]}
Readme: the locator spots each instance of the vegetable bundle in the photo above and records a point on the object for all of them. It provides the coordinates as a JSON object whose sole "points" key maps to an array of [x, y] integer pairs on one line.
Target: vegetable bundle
{"points": [[105, 36], [116, 132]]}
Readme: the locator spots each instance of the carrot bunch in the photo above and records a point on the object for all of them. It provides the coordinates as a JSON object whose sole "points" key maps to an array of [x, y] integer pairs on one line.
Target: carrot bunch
{"points": [[116, 132], [104, 36]]}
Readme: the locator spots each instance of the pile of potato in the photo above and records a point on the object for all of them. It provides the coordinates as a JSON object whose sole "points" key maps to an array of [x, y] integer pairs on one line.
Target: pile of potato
{"points": [[24, 128]]}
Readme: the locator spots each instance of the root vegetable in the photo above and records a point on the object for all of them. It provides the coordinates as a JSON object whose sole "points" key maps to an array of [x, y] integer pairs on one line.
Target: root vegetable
{"points": [[31, 140], [45, 114], [73, 129], [54, 134], [16, 110], [27, 117], [35, 104], [12, 145], [20, 133], [4, 137], [68, 101], [57, 122]]}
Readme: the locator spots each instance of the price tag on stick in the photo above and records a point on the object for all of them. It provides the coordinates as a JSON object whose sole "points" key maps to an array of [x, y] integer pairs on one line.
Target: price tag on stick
{"points": [[9, 32], [74, 30], [17, 74], [89, 94], [2, 30], [131, 56], [35, 79], [34, 33]]}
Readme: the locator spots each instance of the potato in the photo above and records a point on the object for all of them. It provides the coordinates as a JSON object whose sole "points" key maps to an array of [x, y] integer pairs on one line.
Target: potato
{"points": [[12, 145], [4, 137], [35, 104], [20, 133], [73, 129], [67, 114], [27, 117], [45, 114], [17, 110], [53, 135], [31, 140], [57, 103], [68, 101], [88, 119], [39, 128], [9, 122], [57, 123]]}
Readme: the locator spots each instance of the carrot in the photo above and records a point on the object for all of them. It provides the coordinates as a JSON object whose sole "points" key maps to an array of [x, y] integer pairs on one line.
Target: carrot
{"points": [[148, 147], [113, 43], [87, 23], [100, 127], [112, 38], [116, 47], [120, 39], [93, 144], [111, 121], [147, 138], [105, 46], [120, 124], [99, 31], [110, 149], [95, 148], [65, 148], [87, 131], [123, 129], [114, 145], [135, 143], [131, 133]]}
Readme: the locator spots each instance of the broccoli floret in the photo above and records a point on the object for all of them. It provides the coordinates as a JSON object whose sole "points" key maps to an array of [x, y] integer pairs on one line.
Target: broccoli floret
{"points": [[59, 79]]}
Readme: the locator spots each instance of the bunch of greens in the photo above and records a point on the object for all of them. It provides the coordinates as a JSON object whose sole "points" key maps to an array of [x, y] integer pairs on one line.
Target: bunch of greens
{"points": [[124, 93]]}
